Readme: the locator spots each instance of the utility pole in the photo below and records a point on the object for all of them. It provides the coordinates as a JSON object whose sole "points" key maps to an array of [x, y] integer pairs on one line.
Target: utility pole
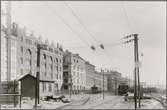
{"points": [[37, 76], [38, 69], [137, 60], [103, 84], [8, 24], [136, 69]]}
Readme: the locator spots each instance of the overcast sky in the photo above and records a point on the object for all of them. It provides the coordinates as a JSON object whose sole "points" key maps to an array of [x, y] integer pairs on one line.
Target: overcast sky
{"points": [[108, 22]]}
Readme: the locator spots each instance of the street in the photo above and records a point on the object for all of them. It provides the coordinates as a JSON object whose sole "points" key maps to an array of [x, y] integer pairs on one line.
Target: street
{"points": [[112, 102]]}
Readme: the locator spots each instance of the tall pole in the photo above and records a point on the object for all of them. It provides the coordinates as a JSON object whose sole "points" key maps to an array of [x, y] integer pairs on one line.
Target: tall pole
{"points": [[8, 23], [135, 58], [138, 68], [103, 85], [37, 76]]}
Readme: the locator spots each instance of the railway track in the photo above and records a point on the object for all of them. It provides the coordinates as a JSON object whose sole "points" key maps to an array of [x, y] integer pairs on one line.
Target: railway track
{"points": [[159, 98]]}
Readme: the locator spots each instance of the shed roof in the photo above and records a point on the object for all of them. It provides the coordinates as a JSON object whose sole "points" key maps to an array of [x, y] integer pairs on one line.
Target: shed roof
{"points": [[24, 76]]}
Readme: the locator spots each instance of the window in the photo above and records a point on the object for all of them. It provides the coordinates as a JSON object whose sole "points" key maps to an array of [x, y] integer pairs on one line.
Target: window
{"points": [[45, 69], [28, 61], [44, 64], [51, 75], [21, 60], [57, 68], [60, 68], [57, 60], [50, 87], [51, 67], [21, 49], [60, 77], [57, 76]]}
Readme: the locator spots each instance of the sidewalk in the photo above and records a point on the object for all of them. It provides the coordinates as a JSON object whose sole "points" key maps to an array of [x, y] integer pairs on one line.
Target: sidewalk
{"points": [[28, 104]]}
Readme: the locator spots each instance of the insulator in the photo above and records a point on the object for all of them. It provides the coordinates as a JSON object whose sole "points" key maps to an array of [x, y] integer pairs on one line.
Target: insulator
{"points": [[92, 47], [102, 46]]}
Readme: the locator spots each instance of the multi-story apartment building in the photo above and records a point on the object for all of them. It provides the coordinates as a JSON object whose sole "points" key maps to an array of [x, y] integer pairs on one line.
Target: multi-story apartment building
{"points": [[90, 73], [51, 61], [94, 78], [100, 80], [24, 59], [74, 72]]}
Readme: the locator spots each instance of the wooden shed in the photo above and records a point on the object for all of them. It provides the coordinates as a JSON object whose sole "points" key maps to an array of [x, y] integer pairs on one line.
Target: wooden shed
{"points": [[28, 82]]}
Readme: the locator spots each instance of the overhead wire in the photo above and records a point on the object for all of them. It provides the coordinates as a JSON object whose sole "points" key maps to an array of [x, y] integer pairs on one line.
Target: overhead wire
{"points": [[90, 34], [126, 16], [65, 23], [85, 27], [80, 21]]}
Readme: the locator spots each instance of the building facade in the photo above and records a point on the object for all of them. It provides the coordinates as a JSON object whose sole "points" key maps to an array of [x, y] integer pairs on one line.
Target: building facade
{"points": [[74, 74], [114, 78], [90, 73], [100, 80], [8, 68], [24, 59]]}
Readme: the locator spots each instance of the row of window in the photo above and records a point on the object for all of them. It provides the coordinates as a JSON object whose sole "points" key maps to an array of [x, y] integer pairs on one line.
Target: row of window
{"points": [[75, 61], [58, 69], [58, 76], [77, 68], [51, 59], [74, 87], [77, 81], [44, 56]]}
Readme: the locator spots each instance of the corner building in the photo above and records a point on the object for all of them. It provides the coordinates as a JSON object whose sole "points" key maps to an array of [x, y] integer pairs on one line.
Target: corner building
{"points": [[74, 74]]}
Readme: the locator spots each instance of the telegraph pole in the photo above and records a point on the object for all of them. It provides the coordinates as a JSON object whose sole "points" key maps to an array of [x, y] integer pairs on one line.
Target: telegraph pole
{"points": [[8, 23], [37, 76], [137, 58], [136, 69], [103, 84], [135, 83], [38, 69]]}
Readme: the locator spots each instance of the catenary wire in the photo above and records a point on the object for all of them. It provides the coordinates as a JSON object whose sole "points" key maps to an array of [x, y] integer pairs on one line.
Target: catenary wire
{"points": [[65, 23]]}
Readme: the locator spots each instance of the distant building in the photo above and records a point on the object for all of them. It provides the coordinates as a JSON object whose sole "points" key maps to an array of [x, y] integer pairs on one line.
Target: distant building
{"points": [[90, 75], [113, 80], [98, 80], [74, 75]]}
